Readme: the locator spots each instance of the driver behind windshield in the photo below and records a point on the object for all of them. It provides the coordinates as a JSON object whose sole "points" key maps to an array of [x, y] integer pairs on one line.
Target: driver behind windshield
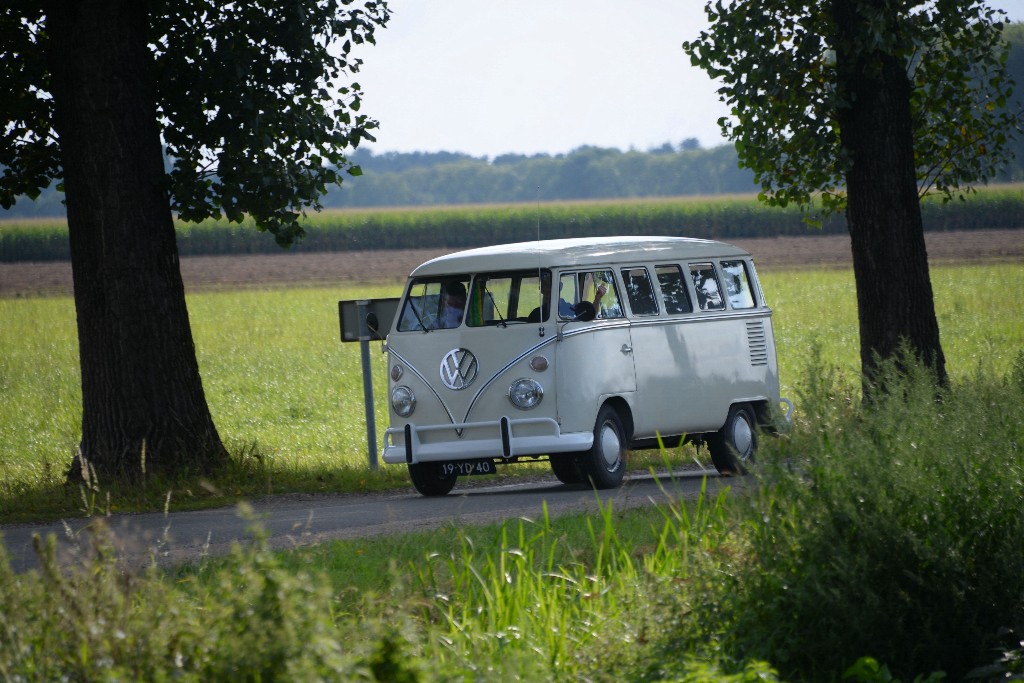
{"points": [[453, 306]]}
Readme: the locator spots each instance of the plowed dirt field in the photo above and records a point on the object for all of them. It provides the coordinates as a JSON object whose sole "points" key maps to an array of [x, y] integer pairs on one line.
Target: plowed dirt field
{"points": [[293, 269]]}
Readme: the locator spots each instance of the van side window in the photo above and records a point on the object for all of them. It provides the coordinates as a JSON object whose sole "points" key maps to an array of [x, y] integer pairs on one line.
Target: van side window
{"points": [[673, 289], [737, 284], [607, 305], [585, 286], [639, 291], [567, 296], [705, 284]]}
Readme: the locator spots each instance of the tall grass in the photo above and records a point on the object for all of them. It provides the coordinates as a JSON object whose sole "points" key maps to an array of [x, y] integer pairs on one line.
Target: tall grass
{"points": [[544, 600]]}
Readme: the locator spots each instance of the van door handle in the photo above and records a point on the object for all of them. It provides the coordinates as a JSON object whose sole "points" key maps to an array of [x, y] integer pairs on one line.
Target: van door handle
{"points": [[626, 348]]}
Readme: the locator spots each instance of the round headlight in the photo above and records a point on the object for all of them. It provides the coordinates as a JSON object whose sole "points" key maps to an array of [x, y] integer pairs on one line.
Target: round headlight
{"points": [[403, 401], [525, 393]]}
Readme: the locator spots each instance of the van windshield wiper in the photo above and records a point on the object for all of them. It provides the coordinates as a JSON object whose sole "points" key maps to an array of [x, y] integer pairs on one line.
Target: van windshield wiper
{"points": [[423, 326], [494, 304]]}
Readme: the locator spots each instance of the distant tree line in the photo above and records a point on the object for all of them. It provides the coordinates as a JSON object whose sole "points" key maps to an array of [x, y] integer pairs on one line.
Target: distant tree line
{"points": [[443, 178], [393, 179], [671, 170], [1014, 34]]}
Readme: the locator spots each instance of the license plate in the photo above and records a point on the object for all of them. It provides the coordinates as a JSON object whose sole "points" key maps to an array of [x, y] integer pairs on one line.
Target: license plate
{"points": [[464, 468]]}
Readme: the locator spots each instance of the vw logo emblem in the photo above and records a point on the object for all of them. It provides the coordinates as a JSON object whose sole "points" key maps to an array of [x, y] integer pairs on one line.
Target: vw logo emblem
{"points": [[458, 369]]}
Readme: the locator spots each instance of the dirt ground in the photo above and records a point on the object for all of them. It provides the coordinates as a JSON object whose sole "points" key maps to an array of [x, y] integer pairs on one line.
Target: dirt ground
{"points": [[770, 253]]}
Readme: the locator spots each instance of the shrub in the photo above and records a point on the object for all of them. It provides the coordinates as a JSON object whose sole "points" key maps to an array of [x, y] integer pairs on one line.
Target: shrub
{"points": [[250, 619], [890, 530]]}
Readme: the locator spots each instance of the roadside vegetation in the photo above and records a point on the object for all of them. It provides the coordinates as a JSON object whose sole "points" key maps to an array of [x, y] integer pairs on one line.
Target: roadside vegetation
{"points": [[880, 542]]}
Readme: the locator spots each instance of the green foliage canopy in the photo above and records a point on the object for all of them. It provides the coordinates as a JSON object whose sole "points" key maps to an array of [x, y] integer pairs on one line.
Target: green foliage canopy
{"points": [[254, 109], [777, 62]]}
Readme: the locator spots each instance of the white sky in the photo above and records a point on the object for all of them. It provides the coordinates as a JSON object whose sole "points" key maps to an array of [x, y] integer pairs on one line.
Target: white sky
{"points": [[488, 77]]}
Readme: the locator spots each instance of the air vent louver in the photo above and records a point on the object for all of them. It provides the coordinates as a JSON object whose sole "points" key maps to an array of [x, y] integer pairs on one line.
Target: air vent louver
{"points": [[757, 343]]}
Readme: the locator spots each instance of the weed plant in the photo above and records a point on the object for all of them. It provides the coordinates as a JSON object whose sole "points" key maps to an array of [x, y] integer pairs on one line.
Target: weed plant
{"points": [[252, 621]]}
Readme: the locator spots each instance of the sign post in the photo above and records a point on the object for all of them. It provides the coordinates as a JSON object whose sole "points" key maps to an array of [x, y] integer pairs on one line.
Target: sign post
{"points": [[364, 353], [361, 321]]}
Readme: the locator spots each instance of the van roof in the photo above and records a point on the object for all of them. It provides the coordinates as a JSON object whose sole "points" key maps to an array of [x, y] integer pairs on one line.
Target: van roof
{"points": [[576, 252]]}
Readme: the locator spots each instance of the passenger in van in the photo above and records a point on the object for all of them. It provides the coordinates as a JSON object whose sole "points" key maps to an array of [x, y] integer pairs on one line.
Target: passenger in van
{"points": [[584, 310], [598, 295], [565, 309], [453, 306]]}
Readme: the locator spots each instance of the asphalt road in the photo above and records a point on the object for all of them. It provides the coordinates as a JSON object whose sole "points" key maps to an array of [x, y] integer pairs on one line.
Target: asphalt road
{"points": [[293, 521]]}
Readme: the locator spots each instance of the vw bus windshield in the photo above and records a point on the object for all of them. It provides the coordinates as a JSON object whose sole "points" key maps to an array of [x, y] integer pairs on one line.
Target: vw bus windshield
{"points": [[434, 304]]}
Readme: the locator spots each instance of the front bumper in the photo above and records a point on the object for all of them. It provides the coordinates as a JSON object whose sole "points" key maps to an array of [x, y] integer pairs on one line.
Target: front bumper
{"points": [[504, 438]]}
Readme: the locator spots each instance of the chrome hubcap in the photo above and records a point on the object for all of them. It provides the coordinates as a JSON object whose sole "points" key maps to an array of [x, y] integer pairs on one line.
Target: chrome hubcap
{"points": [[743, 437], [611, 447]]}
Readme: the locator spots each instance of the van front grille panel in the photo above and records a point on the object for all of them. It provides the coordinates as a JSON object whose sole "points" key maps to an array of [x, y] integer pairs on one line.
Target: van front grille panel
{"points": [[757, 343]]}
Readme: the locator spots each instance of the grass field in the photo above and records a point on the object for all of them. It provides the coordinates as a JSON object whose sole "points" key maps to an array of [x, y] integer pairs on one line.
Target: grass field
{"points": [[287, 397]]}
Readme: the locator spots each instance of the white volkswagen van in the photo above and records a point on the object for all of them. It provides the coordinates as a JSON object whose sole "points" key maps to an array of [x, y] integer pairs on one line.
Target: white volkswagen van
{"points": [[576, 351]]}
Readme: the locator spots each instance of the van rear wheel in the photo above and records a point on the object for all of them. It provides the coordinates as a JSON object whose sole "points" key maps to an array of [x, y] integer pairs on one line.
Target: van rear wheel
{"points": [[734, 446], [604, 465], [428, 480]]}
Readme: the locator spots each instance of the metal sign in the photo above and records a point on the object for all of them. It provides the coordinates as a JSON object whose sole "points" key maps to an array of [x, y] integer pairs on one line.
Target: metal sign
{"points": [[376, 314]]}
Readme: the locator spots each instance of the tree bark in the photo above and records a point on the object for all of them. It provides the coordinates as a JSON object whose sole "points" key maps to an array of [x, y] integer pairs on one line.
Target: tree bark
{"points": [[143, 405], [890, 261]]}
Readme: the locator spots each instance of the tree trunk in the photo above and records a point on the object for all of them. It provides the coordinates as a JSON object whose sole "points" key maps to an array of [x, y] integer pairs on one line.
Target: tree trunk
{"points": [[890, 261], [143, 406]]}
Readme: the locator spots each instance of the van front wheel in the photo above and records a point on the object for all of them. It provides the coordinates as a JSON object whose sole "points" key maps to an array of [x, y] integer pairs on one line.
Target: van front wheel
{"points": [[428, 480], [604, 464], [565, 468], [734, 446]]}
